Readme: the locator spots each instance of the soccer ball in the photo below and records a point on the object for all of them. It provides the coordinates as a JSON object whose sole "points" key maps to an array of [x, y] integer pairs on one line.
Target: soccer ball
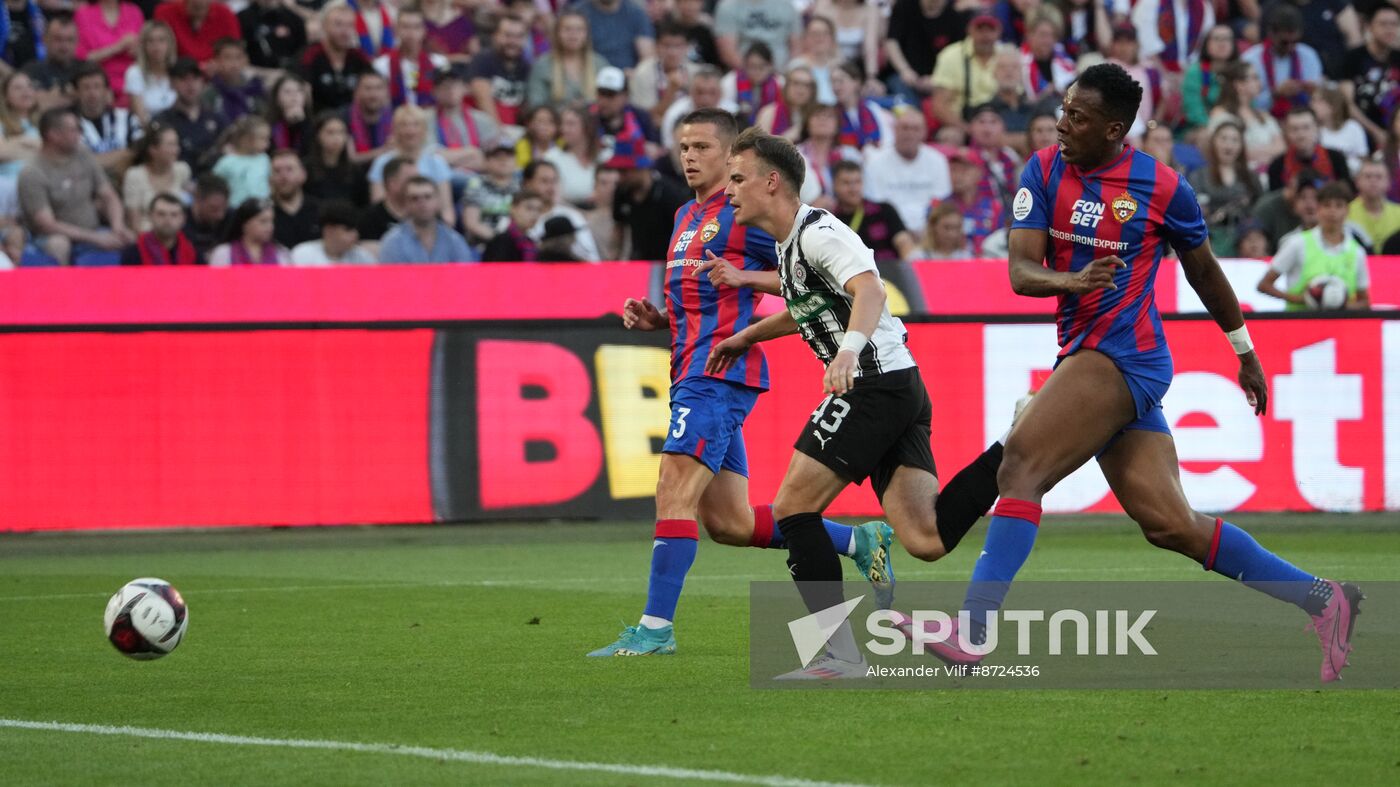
{"points": [[1325, 292], [146, 619]]}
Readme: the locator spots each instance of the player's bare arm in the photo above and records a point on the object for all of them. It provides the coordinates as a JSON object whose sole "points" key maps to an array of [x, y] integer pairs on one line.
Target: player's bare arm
{"points": [[733, 348], [723, 273], [869, 304], [1030, 277], [1204, 275], [642, 315]]}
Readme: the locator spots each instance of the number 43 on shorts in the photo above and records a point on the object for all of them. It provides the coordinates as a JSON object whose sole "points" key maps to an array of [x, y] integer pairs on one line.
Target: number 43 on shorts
{"points": [[834, 409]]}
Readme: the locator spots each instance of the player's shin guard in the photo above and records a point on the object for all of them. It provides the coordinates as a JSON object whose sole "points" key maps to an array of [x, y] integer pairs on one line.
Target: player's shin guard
{"points": [[967, 497], [1010, 537], [1238, 556], [812, 560], [766, 535], [672, 554]]}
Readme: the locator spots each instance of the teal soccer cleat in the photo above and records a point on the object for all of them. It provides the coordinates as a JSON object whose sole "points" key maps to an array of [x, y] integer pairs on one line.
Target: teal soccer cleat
{"points": [[641, 641], [873, 540]]}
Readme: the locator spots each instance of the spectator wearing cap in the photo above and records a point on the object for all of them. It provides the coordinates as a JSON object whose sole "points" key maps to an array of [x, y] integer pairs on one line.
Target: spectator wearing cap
{"points": [[706, 92], [659, 81], [1371, 211], [487, 197], [296, 216], [1251, 242], [513, 244], [384, 214], [644, 207], [1048, 69], [52, 74], [499, 75], [165, 243], [963, 75], [208, 214], [197, 125], [409, 139], [197, 25], [864, 123], [370, 118], [982, 210], [374, 26], [1289, 68], [109, 131], [462, 132], [618, 121], [1305, 151], [276, 35], [739, 24], [64, 196], [1370, 74], [250, 238], [1123, 50], [879, 226], [909, 174], [423, 236], [1325, 250], [557, 241], [755, 85], [1170, 32], [918, 31], [576, 156], [334, 66], [339, 242], [108, 32], [568, 72], [233, 90], [622, 32], [542, 178], [409, 67], [157, 170]]}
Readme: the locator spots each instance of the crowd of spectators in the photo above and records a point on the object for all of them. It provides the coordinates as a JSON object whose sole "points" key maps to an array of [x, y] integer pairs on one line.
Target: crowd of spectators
{"points": [[306, 132]]}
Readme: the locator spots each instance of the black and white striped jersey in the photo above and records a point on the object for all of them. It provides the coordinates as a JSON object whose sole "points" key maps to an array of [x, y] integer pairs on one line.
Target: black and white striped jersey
{"points": [[815, 261]]}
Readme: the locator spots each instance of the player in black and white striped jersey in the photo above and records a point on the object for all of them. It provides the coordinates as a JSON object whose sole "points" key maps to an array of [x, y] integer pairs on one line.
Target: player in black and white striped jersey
{"points": [[875, 420]]}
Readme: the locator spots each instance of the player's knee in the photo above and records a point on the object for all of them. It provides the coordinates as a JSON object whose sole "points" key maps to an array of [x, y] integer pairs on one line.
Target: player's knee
{"points": [[925, 548], [726, 525], [1017, 476], [1164, 531]]}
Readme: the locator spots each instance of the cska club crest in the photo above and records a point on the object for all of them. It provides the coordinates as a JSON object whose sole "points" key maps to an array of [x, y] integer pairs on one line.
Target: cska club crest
{"points": [[1124, 207], [709, 231]]}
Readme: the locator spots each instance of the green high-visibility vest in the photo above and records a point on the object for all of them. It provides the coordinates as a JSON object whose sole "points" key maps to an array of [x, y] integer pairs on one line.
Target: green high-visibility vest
{"points": [[1318, 261]]}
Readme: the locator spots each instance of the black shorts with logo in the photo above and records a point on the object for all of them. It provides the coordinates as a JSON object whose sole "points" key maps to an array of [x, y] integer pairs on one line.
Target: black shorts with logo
{"points": [[882, 424]]}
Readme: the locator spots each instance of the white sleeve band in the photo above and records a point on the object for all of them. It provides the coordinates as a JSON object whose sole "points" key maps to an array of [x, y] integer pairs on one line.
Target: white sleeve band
{"points": [[854, 341], [1239, 339]]}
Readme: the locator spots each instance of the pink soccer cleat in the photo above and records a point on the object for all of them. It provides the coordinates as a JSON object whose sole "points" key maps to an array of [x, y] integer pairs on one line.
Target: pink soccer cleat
{"points": [[948, 651], [1334, 626]]}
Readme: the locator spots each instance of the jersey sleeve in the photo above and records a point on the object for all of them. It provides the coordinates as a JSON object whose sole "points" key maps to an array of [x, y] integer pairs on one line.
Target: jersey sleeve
{"points": [[1183, 224], [1288, 260], [760, 252], [1031, 207], [837, 249]]}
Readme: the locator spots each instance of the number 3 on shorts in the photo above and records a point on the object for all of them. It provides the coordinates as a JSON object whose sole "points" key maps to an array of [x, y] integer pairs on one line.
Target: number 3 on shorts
{"points": [[836, 411], [679, 431]]}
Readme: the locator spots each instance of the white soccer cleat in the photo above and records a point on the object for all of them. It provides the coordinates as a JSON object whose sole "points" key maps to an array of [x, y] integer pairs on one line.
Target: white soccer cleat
{"points": [[828, 667]]}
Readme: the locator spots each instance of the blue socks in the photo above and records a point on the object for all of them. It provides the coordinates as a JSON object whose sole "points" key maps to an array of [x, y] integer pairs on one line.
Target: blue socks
{"points": [[1010, 537], [672, 555], [1235, 554], [767, 536]]}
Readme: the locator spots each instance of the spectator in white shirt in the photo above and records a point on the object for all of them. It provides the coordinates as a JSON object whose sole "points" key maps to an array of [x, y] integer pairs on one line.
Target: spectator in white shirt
{"points": [[909, 175]]}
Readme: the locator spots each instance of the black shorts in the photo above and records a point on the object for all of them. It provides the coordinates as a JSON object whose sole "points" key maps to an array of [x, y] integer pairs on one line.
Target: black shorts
{"points": [[874, 429]]}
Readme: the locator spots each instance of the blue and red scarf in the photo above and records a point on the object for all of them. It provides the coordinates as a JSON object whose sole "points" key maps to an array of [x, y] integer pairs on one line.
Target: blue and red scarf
{"points": [[398, 84], [448, 135], [386, 34], [288, 136], [529, 252], [782, 117], [365, 137], [238, 254], [867, 133], [153, 252], [1281, 104], [1166, 30], [752, 98]]}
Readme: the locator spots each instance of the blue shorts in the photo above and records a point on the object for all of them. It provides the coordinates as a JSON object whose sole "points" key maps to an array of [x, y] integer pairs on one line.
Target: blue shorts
{"points": [[707, 419], [1148, 377]]}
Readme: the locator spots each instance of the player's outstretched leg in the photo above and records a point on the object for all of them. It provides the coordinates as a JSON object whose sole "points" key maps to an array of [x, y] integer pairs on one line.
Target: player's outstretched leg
{"points": [[1142, 469]]}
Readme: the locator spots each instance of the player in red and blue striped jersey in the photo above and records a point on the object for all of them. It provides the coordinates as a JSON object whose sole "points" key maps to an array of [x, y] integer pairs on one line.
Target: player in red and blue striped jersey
{"points": [[1092, 220], [714, 278]]}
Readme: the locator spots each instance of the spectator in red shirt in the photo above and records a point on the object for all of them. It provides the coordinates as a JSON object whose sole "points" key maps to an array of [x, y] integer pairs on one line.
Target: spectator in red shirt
{"points": [[198, 24]]}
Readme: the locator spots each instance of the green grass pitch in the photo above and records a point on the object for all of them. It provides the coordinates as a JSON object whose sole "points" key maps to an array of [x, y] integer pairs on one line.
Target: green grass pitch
{"points": [[472, 639]]}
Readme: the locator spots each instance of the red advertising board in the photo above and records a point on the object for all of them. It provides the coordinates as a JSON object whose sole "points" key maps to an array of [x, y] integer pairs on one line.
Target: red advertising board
{"points": [[328, 426]]}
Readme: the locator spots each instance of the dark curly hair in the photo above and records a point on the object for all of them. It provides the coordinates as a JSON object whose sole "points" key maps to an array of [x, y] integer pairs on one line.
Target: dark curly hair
{"points": [[1120, 92]]}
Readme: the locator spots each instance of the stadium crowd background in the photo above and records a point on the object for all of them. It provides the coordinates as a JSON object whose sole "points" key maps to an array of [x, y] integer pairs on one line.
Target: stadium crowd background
{"points": [[300, 132]]}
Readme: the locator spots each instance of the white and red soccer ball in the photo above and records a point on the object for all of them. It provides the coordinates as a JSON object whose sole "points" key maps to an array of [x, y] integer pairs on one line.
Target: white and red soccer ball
{"points": [[146, 619]]}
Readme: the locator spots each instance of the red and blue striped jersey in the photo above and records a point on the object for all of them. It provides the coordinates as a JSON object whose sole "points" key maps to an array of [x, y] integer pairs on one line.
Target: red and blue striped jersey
{"points": [[1131, 208], [703, 315]]}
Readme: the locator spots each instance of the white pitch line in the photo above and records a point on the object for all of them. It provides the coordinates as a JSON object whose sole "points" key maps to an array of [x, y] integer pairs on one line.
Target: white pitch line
{"points": [[454, 755]]}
